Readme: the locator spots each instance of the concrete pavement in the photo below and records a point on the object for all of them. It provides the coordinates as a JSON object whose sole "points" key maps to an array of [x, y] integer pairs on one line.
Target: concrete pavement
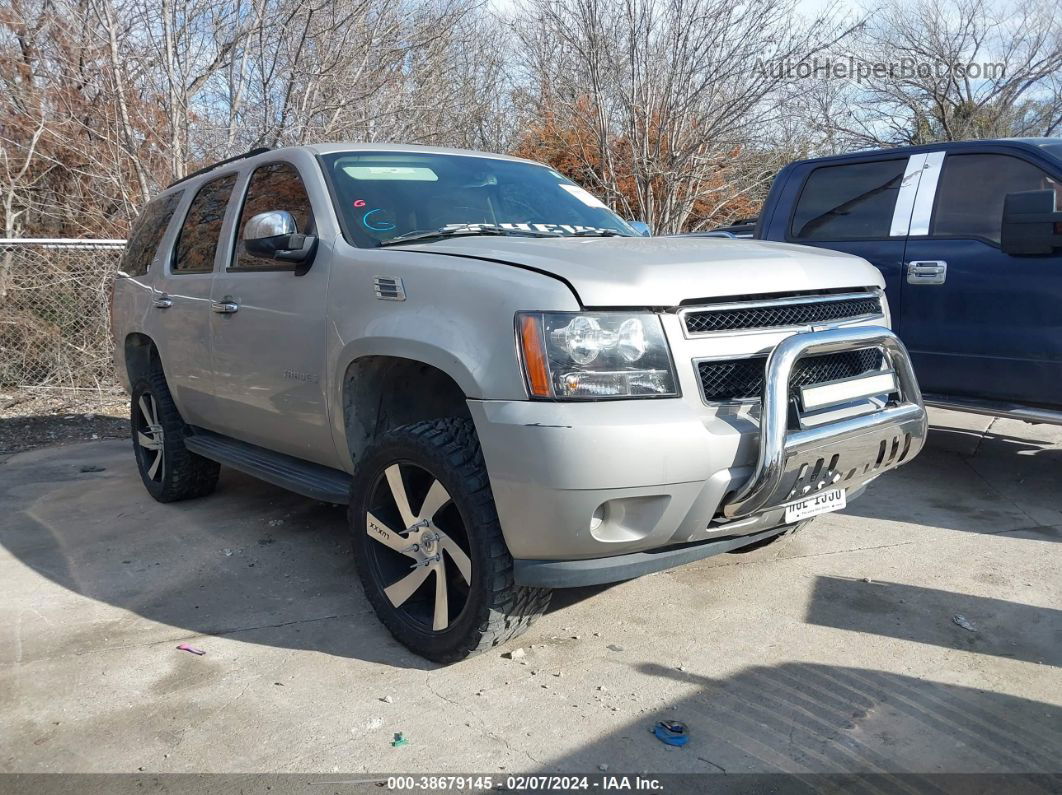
{"points": [[836, 650]]}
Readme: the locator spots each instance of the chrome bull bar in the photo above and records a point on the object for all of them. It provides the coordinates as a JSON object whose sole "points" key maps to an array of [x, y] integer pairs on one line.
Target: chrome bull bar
{"points": [[794, 464]]}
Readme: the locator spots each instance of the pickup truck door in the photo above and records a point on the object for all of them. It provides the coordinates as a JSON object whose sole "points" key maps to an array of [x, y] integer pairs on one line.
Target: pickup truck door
{"points": [[977, 321], [860, 206], [269, 327]]}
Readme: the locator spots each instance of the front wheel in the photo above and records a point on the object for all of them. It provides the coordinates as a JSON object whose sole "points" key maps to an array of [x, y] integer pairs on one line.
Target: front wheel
{"points": [[428, 545]]}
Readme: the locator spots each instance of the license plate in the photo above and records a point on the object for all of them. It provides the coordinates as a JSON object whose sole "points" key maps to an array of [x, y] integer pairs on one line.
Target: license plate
{"points": [[832, 500]]}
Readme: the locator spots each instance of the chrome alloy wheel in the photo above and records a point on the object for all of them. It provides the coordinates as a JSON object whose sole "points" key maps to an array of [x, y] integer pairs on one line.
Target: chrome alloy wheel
{"points": [[415, 547], [149, 438]]}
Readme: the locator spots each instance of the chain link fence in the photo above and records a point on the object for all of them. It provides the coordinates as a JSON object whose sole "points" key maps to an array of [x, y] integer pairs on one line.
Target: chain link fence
{"points": [[54, 316]]}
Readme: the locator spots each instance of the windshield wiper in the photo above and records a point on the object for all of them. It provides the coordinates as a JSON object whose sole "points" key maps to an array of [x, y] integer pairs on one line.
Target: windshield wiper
{"points": [[418, 235]]}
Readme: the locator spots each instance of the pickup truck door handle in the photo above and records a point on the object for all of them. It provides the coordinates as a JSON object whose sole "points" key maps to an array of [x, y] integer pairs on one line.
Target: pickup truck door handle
{"points": [[226, 306], [162, 301], [932, 271]]}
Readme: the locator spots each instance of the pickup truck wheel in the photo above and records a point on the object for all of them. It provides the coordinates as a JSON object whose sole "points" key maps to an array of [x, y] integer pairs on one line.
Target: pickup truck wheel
{"points": [[169, 471], [428, 545]]}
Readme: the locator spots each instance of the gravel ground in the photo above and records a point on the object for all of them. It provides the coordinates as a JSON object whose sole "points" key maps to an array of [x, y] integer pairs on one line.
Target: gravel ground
{"points": [[30, 419]]}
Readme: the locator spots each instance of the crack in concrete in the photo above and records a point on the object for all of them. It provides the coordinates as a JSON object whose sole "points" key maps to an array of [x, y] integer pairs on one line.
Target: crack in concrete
{"points": [[483, 724], [720, 768], [981, 438]]}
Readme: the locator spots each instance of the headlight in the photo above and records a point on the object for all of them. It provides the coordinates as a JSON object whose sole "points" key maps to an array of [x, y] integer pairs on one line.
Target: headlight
{"points": [[595, 355]]}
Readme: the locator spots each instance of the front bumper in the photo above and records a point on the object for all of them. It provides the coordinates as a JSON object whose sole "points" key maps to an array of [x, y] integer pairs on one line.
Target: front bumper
{"points": [[582, 481], [598, 571]]}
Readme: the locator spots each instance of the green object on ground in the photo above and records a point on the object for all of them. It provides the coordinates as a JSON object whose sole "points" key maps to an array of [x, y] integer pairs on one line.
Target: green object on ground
{"points": [[399, 740]]}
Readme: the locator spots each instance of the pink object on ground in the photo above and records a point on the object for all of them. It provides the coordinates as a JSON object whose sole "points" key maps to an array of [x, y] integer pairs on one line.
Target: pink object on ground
{"points": [[192, 649]]}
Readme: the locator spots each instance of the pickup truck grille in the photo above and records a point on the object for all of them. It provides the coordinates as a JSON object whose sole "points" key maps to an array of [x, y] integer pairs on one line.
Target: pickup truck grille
{"points": [[801, 311], [742, 379]]}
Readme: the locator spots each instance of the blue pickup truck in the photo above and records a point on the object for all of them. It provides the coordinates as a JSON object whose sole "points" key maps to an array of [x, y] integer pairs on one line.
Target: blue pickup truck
{"points": [[969, 240]]}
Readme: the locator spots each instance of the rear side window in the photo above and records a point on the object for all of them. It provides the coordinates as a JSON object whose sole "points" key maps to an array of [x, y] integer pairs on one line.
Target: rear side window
{"points": [[147, 233], [972, 189], [849, 202], [276, 186], [198, 240]]}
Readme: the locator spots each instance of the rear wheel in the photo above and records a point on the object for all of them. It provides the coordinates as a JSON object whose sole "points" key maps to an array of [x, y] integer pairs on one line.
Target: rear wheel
{"points": [[169, 470], [428, 545]]}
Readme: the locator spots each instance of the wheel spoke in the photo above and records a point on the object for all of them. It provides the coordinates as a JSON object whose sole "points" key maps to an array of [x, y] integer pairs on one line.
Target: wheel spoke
{"points": [[147, 442], [385, 535], [400, 591], [458, 556], [148, 414], [437, 497], [155, 464], [398, 491], [442, 605]]}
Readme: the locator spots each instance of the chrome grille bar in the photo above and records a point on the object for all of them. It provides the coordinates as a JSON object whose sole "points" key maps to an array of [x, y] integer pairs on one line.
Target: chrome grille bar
{"points": [[800, 312]]}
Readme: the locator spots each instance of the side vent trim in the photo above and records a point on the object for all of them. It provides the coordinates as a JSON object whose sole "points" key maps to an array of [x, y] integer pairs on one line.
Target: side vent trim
{"points": [[389, 288]]}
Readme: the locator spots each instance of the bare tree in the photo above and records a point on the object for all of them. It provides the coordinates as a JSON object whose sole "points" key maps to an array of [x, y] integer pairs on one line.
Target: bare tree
{"points": [[662, 99], [949, 70]]}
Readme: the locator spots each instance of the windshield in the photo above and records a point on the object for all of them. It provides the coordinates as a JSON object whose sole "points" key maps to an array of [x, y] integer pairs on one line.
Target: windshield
{"points": [[383, 195]]}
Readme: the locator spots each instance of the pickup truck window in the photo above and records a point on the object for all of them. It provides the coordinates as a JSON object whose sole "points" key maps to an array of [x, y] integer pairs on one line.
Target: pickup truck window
{"points": [[198, 240], [969, 201], [147, 233], [848, 202], [275, 186], [382, 195]]}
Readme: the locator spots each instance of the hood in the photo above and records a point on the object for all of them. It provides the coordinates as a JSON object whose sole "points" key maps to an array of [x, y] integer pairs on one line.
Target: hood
{"points": [[665, 271]]}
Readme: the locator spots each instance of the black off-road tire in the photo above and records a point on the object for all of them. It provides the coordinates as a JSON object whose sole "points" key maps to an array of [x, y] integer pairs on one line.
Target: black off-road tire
{"points": [[496, 610], [181, 475]]}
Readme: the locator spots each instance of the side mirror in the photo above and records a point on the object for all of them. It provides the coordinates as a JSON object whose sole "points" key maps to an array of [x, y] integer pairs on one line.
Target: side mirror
{"points": [[275, 235], [1029, 223], [641, 227]]}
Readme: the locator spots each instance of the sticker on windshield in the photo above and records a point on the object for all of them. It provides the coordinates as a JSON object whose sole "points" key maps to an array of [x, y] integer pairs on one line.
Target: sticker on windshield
{"points": [[587, 198], [407, 173]]}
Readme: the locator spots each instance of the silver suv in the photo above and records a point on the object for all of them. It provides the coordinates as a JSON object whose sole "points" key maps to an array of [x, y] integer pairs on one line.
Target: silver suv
{"points": [[511, 389]]}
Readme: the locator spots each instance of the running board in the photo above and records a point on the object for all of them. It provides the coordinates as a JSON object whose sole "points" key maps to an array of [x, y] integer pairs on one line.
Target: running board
{"points": [[310, 480], [992, 408]]}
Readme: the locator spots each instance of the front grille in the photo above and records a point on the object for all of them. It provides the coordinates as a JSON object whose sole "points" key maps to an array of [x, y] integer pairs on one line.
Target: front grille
{"points": [[758, 315], [742, 379]]}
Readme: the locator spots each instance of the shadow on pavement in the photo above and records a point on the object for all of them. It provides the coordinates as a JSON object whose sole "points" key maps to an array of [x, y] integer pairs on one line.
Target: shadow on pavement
{"points": [[975, 482], [270, 567], [927, 615], [251, 561], [809, 718]]}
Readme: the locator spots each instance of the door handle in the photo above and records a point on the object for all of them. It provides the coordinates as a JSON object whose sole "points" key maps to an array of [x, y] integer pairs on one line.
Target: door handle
{"points": [[931, 271], [162, 301], [226, 306]]}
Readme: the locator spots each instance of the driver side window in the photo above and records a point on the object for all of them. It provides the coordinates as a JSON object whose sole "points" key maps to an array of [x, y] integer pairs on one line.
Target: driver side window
{"points": [[275, 186], [973, 187]]}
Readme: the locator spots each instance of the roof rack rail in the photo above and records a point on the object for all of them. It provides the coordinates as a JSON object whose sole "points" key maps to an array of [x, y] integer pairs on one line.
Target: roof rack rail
{"points": [[257, 151]]}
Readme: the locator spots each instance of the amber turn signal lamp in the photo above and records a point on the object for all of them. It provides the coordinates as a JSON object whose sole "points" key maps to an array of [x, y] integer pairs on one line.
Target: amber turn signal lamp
{"points": [[534, 351]]}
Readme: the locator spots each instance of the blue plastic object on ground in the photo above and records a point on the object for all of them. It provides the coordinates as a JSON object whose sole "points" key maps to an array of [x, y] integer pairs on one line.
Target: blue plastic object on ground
{"points": [[671, 732]]}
